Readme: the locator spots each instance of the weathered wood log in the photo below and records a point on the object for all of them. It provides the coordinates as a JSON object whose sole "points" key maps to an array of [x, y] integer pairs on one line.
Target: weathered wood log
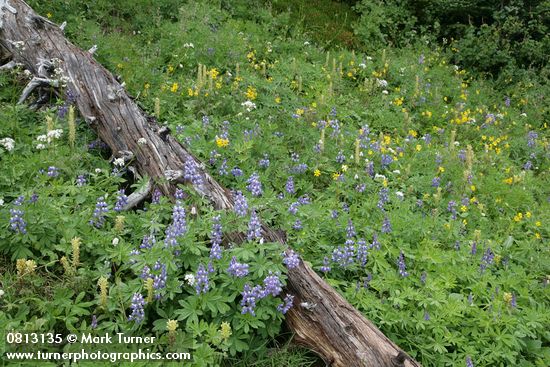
{"points": [[321, 318]]}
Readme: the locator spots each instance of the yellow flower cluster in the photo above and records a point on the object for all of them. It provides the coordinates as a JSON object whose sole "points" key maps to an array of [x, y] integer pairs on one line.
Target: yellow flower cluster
{"points": [[25, 266], [221, 142]]}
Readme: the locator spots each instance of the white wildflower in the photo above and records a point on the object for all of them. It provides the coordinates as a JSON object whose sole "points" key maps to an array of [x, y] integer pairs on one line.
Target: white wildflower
{"points": [[115, 241], [1, 201], [142, 141], [7, 143], [400, 195], [384, 92], [1, 293], [249, 105], [40, 146], [379, 177], [98, 170], [190, 279], [397, 172], [119, 162], [382, 83], [362, 65]]}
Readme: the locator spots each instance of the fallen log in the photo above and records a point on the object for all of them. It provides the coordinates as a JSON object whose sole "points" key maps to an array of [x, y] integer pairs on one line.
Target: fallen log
{"points": [[321, 318]]}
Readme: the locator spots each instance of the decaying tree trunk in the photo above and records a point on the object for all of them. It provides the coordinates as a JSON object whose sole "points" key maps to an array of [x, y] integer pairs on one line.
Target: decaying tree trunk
{"points": [[321, 319]]}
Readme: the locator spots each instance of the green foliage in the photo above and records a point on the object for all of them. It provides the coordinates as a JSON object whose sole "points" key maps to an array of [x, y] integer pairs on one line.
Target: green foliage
{"points": [[477, 271]]}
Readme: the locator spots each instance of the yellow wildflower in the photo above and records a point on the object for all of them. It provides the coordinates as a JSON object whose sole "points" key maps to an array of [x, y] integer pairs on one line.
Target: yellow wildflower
{"points": [[174, 87], [221, 142], [317, 173], [251, 93], [225, 330]]}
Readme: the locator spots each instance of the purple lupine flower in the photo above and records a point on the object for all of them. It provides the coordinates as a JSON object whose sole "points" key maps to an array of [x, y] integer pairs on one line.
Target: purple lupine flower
{"points": [[291, 259], [289, 187], [17, 223], [254, 227], [473, 250], [487, 259], [469, 362], [53, 171], [216, 239], [156, 196], [383, 198], [237, 172], [33, 198], [264, 162], [241, 204], [145, 272], [423, 277], [436, 181], [470, 299], [272, 285], [507, 101], [81, 180], [451, 207], [148, 241], [178, 227], [304, 200], [223, 168], [205, 121], [386, 225], [254, 185], [375, 243], [345, 255], [457, 245], [98, 218], [426, 316], [159, 281], [527, 166], [93, 325], [192, 173], [367, 281], [179, 194], [299, 168], [350, 230], [297, 225], [427, 139], [513, 302], [370, 169], [421, 59], [237, 269], [340, 158], [360, 188], [532, 139], [121, 201], [345, 206], [138, 314], [462, 155], [325, 268], [210, 267], [334, 214], [362, 252], [202, 284], [386, 160], [250, 295], [213, 157], [284, 307], [293, 208], [401, 265]]}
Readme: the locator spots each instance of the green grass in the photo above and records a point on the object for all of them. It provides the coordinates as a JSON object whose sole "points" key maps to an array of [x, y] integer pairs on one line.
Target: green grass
{"points": [[258, 55]]}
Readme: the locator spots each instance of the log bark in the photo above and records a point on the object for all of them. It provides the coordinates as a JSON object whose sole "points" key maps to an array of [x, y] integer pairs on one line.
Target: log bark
{"points": [[321, 318]]}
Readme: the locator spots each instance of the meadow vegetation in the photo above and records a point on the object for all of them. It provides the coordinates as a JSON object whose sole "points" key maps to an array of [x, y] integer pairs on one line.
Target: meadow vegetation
{"points": [[412, 177]]}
